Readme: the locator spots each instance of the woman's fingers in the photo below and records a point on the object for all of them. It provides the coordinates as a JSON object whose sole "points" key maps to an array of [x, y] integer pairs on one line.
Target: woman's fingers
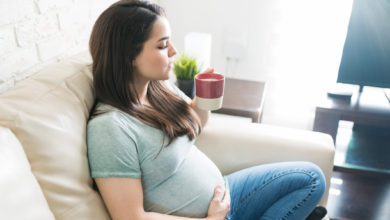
{"points": [[218, 192], [219, 208], [226, 196], [209, 70]]}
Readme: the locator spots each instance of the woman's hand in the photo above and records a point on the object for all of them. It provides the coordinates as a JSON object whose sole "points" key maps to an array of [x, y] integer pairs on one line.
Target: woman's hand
{"points": [[219, 209], [209, 70]]}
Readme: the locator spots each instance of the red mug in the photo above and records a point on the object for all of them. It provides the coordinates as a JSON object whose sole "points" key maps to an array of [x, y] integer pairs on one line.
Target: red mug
{"points": [[209, 90]]}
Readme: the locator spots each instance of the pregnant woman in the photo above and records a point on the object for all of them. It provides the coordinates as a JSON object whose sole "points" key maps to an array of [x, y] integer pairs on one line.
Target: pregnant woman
{"points": [[142, 130]]}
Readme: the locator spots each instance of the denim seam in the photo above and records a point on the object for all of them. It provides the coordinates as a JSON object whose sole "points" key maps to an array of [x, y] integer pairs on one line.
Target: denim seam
{"points": [[303, 200], [273, 179]]}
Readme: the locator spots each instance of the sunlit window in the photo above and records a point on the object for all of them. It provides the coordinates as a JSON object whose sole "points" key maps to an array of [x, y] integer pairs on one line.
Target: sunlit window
{"points": [[305, 57]]}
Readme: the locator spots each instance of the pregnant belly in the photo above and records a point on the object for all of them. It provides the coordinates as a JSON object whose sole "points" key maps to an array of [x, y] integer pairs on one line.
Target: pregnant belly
{"points": [[188, 191]]}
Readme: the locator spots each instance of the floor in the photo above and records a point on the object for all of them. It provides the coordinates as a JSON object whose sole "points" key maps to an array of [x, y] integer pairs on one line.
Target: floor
{"points": [[359, 197], [360, 186]]}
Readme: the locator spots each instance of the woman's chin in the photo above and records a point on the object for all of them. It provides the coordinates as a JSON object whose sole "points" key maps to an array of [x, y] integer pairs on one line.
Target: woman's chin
{"points": [[166, 78], [167, 75]]}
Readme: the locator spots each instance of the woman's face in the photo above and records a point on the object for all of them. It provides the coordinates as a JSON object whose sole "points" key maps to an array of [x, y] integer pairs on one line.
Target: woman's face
{"points": [[156, 58]]}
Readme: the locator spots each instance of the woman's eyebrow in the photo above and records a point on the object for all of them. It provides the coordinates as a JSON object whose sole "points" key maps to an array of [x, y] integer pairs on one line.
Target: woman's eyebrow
{"points": [[163, 38]]}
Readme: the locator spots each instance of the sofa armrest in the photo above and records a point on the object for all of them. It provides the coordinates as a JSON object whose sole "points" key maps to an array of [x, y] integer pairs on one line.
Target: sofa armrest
{"points": [[233, 145]]}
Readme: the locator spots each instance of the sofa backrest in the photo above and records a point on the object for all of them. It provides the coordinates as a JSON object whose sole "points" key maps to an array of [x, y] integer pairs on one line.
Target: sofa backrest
{"points": [[48, 113]]}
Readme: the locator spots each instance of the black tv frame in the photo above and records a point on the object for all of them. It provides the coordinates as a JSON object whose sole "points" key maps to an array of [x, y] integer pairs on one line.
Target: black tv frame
{"points": [[366, 54]]}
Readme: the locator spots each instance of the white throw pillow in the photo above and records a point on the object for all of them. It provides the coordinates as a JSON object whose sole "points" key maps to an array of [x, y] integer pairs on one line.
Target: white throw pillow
{"points": [[21, 197], [48, 113]]}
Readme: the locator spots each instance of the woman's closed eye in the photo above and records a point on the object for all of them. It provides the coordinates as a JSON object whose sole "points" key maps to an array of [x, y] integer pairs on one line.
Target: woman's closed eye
{"points": [[163, 47]]}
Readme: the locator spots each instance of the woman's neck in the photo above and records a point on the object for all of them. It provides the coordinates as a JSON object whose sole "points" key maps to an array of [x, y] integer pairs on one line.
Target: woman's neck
{"points": [[141, 86]]}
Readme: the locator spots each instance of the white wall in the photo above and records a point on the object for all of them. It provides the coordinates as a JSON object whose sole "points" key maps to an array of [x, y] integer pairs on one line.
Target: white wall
{"points": [[34, 33], [295, 46], [246, 21]]}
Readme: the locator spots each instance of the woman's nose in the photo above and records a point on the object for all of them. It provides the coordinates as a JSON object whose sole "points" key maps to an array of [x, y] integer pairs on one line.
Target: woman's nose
{"points": [[172, 50]]}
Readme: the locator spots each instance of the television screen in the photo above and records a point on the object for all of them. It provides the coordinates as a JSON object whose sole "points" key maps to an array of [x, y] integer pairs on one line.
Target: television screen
{"points": [[366, 55]]}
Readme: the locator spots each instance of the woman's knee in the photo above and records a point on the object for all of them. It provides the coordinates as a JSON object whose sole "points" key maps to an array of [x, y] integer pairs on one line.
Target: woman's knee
{"points": [[318, 177]]}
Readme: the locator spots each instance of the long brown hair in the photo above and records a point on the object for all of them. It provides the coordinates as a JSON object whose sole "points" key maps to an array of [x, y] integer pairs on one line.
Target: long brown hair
{"points": [[117, 39]]}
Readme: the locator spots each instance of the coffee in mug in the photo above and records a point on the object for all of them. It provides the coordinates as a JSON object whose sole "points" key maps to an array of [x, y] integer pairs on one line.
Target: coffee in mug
{"points": [[209, 90]]}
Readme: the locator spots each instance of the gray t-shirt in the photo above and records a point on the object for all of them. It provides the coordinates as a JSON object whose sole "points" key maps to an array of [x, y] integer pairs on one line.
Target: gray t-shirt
{"points": [[179, 180]]}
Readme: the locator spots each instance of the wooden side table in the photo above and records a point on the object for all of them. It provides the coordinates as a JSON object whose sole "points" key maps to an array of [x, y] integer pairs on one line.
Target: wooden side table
{"points": [[371, 108], [243, 98]]}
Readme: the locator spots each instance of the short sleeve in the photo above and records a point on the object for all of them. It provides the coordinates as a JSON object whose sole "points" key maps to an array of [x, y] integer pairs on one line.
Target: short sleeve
{"points": [[177, 91], [111, 150]]}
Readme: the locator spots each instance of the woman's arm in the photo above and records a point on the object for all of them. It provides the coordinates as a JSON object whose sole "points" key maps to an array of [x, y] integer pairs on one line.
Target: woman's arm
{"points": [[203, 114], [123, 198]]}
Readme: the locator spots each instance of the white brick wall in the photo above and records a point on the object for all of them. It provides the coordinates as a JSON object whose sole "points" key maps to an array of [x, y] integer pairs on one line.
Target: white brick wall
{"points": [[34, 33]]}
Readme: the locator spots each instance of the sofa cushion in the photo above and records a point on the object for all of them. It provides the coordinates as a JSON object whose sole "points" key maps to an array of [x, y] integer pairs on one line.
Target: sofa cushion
{"points": [[48, 114], [24, 198]]}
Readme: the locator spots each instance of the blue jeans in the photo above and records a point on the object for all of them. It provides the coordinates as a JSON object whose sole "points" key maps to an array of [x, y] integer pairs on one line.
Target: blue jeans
{"points": [[289, 190]]}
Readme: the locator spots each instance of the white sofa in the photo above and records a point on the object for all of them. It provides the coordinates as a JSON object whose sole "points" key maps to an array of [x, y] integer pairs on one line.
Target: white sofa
{"points": [[44, 171]]}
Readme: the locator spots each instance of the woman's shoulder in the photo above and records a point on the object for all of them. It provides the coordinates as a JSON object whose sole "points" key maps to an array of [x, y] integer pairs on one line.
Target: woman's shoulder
{"points": [[107, 117], [103, 113], [111, 124]]}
